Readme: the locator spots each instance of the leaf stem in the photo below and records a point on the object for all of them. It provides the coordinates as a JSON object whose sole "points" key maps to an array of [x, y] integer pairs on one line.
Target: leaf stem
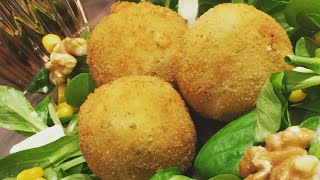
{"points": [[310, 63]]}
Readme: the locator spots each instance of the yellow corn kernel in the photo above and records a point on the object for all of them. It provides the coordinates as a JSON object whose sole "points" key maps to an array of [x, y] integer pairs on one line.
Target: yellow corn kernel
{"points": [[64, 109], [61, 89], [317, 38], [297, 96], [50, 41], [30, 174]]}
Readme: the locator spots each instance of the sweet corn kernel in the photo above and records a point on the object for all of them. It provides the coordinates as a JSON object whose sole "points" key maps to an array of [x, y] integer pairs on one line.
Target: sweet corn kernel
{"points": [[30, 174], [297, 96], [61, 89], [64, 109], [317, 38], [50, 41]]}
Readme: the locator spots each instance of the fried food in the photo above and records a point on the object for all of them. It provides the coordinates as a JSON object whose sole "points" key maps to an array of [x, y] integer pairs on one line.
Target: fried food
{"points": [[228, 55], [134, 126], [135, 39]]}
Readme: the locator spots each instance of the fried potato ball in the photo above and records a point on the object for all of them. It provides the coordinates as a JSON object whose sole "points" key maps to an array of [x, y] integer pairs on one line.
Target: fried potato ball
{"points": [[228, 55], [135, 39], [134, 126]]}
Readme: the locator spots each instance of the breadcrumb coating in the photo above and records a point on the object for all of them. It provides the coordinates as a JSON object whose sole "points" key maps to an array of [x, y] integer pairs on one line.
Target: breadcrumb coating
{"points": [[135, 39], [228, 54], [134, 126]]}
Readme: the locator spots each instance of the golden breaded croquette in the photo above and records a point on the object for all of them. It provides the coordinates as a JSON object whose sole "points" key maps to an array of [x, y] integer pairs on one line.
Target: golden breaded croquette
{"points": [[134, 126], [136, 39], [228, 55]]}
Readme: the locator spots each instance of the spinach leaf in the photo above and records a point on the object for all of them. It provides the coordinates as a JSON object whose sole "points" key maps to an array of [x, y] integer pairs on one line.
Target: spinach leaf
{"points": [[225, 177], [311, 123], [269, 108], [81, 66], [78, 89], [166, 173], [16, 113], [180, 177], [46, 156], [309, 63], [306, 47], [223, 151], [41, 83]]}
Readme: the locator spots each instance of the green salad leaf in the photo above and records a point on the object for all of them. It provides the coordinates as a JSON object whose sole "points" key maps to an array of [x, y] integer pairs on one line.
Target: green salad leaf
{"points": [[223, 151], [41, 83], [72, 127], [81, 66], [51, 174], [311, 123], [42, 109], [294, 80], [269, 108], [306, 62], [16, 113], [225, 177], [303, 14], [306, 47], [166, 174], [79, 176], [78, 89], [46, 156], [180, 177]]}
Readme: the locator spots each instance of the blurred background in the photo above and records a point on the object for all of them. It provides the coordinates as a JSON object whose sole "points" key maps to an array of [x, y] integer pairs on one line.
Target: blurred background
{"points": [[23, 23]]}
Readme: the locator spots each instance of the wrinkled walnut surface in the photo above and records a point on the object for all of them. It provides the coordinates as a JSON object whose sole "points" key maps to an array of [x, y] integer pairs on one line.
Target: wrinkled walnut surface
{"points": [[62, 60], [284, 157]]}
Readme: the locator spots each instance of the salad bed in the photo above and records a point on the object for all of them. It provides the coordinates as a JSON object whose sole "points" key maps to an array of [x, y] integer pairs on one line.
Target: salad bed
{"points": [[220, 156]]}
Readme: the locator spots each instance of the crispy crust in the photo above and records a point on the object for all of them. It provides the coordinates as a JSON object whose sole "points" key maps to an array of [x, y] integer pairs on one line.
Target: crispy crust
{"points": [[136, 39], [135, 126], [228, 55]]}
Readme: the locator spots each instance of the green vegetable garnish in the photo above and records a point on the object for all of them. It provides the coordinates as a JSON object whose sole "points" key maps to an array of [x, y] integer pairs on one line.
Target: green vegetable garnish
{"points": [[225, 177], [16, 113], [41, 83], [166, 173], [46, 156], [78, 89], [303, 14], [223, 151]]}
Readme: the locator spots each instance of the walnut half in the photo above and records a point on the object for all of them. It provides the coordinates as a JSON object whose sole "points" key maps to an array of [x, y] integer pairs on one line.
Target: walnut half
{"points": [[62, 60], [284, 157]]}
